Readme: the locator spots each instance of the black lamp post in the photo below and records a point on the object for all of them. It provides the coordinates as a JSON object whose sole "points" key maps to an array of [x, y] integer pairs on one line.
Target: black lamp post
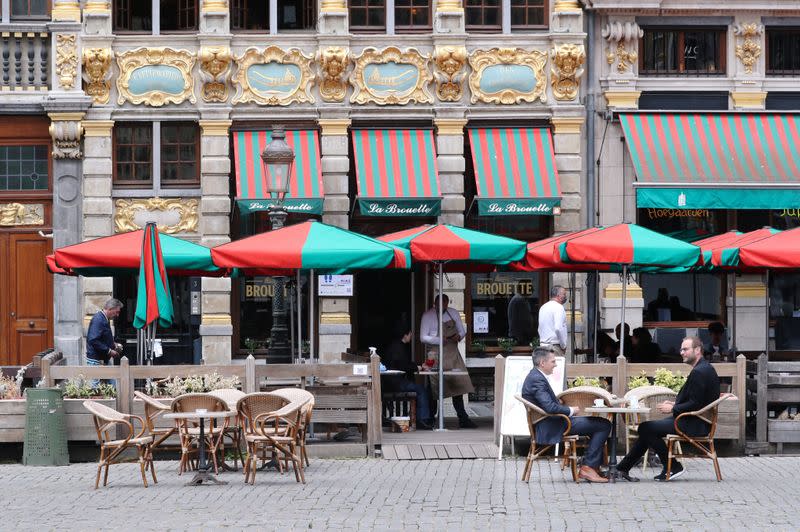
{"points": [[277, 160]]}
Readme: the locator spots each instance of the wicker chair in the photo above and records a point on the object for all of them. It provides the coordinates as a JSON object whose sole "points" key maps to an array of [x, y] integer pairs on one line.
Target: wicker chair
{"points": [[248, 409], [535, 416], [307, 398], [106, 420], [649, 397], [153, 408], [705, 444], [280, 430], [233, 431], [189, 430], [583, 397]]}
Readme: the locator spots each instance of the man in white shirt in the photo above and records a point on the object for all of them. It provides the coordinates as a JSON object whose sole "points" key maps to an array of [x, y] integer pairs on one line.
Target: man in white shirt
{"points": [[553, 321]]}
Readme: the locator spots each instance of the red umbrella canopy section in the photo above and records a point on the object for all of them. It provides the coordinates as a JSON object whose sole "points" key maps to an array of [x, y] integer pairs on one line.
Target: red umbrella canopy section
{"points": [[708, 244], [728, 255], [542, 256], [776, 251], [153, 301]]}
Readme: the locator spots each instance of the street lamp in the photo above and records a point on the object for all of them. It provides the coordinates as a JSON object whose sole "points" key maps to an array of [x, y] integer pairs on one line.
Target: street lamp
{"points": [[276, 161]]}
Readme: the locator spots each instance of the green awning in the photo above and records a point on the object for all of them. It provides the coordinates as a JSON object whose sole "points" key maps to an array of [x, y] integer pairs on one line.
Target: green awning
{"points": [[689, 197]]}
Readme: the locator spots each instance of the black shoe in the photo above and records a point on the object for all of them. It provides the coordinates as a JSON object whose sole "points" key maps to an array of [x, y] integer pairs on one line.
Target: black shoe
{"points": [[621, 473], [466, 423], [424, 425], [677, 470]]}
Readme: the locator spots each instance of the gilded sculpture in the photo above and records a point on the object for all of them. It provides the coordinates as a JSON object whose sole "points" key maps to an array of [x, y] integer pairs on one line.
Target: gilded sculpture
{"points": [[625, 36], [215, 62], [566, 70], [391, 77], [749, 50], [126, 211], [66, 60], [155, 76], [97, 72], [333, 62], [507, 76], [285, 77], [13, 214], [450, 73]]}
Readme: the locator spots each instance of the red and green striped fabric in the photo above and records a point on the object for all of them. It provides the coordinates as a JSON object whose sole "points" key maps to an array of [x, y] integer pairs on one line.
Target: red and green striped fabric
{"points": [[780, 250], [153, 301], [541, 256], [515, 164], [714, 147], [305, 188], [630, 245], [728, 254]]}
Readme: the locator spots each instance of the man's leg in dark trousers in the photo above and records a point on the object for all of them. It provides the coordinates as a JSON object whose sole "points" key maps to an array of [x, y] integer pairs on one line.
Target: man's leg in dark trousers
{"points": [[651, 436], [597, 429], [458, 404]]}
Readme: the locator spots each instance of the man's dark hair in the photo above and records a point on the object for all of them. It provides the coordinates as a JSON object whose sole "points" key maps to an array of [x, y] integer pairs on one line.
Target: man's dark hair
{"points": [[540, 354], [716, 327]]}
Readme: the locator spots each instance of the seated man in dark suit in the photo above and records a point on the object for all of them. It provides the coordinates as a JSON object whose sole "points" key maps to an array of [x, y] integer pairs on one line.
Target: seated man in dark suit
{"points": [[538, 391], [700, 389]]}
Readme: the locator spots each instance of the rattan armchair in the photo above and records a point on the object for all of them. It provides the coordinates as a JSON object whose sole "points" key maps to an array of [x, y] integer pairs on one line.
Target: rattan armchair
{"points": [[106, 420], [233, 431], [189, 430], [705, 444], [536, 415], [153, 408], [584, 397], [280, 429], [248, 409], [649, 397], [307, 398]]}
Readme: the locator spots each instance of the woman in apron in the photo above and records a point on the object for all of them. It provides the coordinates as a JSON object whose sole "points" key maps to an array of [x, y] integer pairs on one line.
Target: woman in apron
{"points": [[455, 386]]}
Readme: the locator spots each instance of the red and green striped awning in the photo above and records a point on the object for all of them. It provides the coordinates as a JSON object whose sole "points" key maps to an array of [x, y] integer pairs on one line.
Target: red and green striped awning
{"points": [[396, 172], [515, 171], [306, 192], [715, 160]]}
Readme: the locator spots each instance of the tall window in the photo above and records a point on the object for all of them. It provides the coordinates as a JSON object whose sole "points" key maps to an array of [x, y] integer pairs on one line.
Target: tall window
{"points": [[367, 15], [483, 15], [133, 154], [412, 15], [783, 51], [137, 15], [24, 167], [179, 153], [136, 145], [254, 15], [528, 14], [133, 15], [32, 9], [178, 15], [249, 15], [682, 52]]}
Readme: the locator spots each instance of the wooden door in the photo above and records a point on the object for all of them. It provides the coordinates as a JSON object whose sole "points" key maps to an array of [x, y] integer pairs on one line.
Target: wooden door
{"points": [[26, 322]]}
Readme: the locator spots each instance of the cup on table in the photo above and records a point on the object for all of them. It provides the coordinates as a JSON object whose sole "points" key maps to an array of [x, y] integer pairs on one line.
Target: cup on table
{"points": [[634, 402], [599, 402], [201, 410]]}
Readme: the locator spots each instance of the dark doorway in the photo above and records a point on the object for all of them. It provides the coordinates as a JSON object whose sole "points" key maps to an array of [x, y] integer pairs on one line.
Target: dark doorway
{"points": [[383, 298]]}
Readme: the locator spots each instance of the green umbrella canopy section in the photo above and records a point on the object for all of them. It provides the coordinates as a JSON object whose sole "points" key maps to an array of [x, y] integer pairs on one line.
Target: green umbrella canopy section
{"points": [[153, 300], [728, 256]]}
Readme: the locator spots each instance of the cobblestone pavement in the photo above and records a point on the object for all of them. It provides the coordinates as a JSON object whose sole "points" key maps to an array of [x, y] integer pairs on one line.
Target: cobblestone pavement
{"points": [[756, 494]]}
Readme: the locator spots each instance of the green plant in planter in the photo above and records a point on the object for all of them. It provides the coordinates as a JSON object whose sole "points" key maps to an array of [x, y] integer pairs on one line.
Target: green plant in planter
{"points": [[81, 388], [175, 386], [535, 342], [673, 381], [477, 346], [506, 344], [584, 381], [9, 388], [638, 381], [305, 348]]}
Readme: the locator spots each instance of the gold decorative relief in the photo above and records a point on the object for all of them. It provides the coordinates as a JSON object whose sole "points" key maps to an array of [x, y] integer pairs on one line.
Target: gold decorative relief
{"points": [[171, 215], [625, 58], [273, 77], [66, 60], [566, 70], [450, 73], [749, 50], [97, 72], [507, 76], [215, 63], [391, 77], [333, 62], [155, 76], [13, 214], [623, 38]]}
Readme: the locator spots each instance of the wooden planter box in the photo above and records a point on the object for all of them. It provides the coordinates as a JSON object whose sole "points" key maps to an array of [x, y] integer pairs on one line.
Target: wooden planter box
{"points": [[783, 431], [80, 425], [137, 407], [728, 420], [12, 421]]}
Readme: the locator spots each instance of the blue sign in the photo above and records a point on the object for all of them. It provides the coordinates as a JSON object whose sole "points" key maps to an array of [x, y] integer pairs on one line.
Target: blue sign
{"points": [[161, 78], [274, 77], [497, 78], [391, 77]]}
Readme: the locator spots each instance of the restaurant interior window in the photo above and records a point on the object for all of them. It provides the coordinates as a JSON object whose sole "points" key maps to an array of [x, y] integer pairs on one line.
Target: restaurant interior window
{"points": [[30, 9], [133, 16], [528, 14], [504, 305], [178, 15], [412, 15], [483, 15], [180, 152], [24, 167], [784, 309], [133, 154], [783, 51], [367, 15], [670, 52]]}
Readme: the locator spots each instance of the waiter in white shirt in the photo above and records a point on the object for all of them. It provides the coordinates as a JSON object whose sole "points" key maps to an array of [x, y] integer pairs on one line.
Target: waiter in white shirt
{"points": [[553, 321]]}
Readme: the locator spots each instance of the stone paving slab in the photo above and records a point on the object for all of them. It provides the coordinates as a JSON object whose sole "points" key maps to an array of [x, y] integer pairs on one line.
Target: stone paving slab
{"points": [[369, 494]]}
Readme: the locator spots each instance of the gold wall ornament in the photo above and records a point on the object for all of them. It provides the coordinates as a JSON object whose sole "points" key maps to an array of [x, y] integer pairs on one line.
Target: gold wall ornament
{"points": [[450, 72], [273, 77], [66, 131], [749, 50], [14, 214], [507, 75], [155, 76], [391, 77], [215, 63], [133, 214], [97, 73], [566, 70], [626, 58], [333, 62], [66, 60], [623, 39]]}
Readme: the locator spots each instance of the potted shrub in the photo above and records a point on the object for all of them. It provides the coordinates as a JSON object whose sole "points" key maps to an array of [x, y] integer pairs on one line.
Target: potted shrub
{"points": [[506, 344], [80, 425], [477, 348], [12, 408]]}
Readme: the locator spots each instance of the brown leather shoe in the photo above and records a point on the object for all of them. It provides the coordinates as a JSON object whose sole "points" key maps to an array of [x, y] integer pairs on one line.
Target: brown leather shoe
{"points": [[590, 475]]}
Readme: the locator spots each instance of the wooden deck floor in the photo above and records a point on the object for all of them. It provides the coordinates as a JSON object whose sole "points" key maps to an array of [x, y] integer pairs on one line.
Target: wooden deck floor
{"points": [[453, 443]]}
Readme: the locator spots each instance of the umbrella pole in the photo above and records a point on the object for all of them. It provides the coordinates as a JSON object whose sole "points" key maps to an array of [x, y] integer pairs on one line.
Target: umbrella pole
{"points": [[299, 321], [624, 293], [441, 349], [596, 313], [732, 347], [413, 319], [766, 297], [572, 282], [311, 317], [139, 346]]}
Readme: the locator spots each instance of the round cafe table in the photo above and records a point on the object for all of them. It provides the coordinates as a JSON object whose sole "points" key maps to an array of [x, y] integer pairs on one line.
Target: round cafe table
{"points": [[203, 466], [614, 410]]}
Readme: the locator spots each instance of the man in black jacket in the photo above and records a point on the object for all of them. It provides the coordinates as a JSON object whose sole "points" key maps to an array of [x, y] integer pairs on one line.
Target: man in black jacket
{"points": [[700, 389]]}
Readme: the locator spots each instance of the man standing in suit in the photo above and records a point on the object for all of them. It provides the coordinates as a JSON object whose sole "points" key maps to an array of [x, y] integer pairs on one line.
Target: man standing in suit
{"points": [[538, 391], [100, 345], [700, 389]]}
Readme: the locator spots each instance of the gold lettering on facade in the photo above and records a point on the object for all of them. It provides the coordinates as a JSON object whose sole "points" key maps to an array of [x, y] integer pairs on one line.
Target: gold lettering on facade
{"points": [[129, 63], [654, 214], [480, 60]]}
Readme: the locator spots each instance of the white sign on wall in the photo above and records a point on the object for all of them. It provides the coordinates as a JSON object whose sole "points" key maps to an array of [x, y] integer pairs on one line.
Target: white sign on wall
{"points": [[513, 419], [335, 285], [480, 322]]}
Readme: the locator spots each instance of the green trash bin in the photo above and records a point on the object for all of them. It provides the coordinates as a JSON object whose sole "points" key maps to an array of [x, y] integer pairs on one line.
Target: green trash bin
{"points": [[45, 428]]}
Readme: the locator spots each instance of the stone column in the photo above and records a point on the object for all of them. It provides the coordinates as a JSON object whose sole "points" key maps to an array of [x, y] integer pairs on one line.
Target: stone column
{"points": [[66, 10], [97, 17], [215, 166], [568, 16], [335, 325], [333, 18], [448, 17], [751, 320], [612, 303], [214, 17]]}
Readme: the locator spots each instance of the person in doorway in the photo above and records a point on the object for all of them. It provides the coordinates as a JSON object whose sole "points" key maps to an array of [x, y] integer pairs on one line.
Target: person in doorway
{"points": [[453, 331], [397, 356], [626, 337], [538, 391], [553, 321], [643, 348], [701, 389], [100, 345], [659, 308], [520, 319], [714, 351]]}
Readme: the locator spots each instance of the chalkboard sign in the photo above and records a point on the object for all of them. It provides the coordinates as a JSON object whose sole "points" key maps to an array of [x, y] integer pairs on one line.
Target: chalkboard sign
{"points": [[513, 421]]}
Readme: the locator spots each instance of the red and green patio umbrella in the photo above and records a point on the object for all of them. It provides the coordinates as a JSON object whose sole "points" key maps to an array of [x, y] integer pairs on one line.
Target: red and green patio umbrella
{"points": [[153, 300], [541, 256], [440, 244], [729, 254]]}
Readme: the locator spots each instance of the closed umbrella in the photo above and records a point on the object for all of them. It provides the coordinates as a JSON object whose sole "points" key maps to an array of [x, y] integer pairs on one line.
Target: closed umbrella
{"points": [[153, 301]]}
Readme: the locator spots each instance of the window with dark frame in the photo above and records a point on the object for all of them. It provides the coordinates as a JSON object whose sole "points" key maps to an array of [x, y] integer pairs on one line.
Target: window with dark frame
{"points": [[133, 154], [783, 51], [297, 15], [24, 167], [30, 9], [681, 51], [412, 15], [133, 16], [367, 15], [249, 15], [178, 15], [483, 15], [179, 154], [528, 14]]}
